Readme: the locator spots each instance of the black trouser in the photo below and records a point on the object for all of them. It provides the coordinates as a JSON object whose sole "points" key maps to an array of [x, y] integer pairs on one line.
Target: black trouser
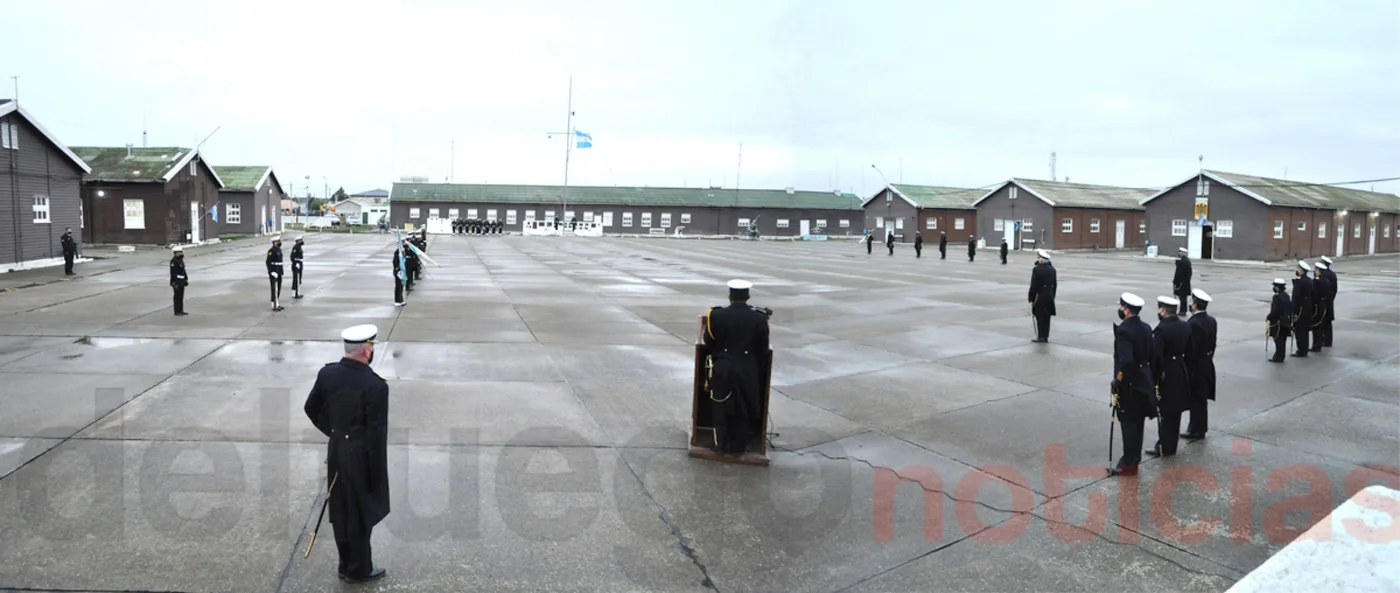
{"points": [[1327, 326], [1199, 416], [353, 543], [918, 250], [398, 288], [1003, 259], [1132, 428], [1168, 432], [275, 286], [296, 276], [869, 247], [1300, 335], [971, 255], [1280, 345], [1181, 308], [1042, 327], [67, 263], [942, 253], [179, 298]]}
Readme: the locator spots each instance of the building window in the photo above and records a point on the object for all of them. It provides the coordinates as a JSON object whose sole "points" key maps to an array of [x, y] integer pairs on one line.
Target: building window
{"points": [[685, 218], [998, 225], [9, 136], [743, 223], [471, 212], [1225, 228], [845, 223], [529, 215], [646, 220], [434, 213], [510, 217], [958, 224], [1093, 225], [782, 223], [1322, 230], [193, 171], [588, 217], [491, 214], [1179, 228], [569, 215], [1012, 193], [41, 209], [134, 213], [879, 222], [548, 215], [899, 223], [1027, 225], [931, 223], [627, 219], [413, 213], [1142, 227], [233, 213], [821, 223], [1302, 227], [607, 219], [1278, 229], [453, 213], [1387, 229], [1066, 225], [1356, 231], [665, 220]]}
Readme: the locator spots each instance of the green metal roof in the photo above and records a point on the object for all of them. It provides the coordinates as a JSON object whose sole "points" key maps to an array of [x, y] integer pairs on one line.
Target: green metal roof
{"points": [[1280, 192], [241, 178], [623, 196], [931, 196], [143, 164], [1084, 195]]}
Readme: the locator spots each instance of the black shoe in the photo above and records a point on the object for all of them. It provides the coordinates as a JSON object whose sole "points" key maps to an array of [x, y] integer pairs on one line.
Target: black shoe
{"points": [[1193, 437], [1275, 360], [299, 296], [376, 574], [182, 313], [1120, 470], [1301, 354], [1039, 341], [278, 308], [1315, 349]]}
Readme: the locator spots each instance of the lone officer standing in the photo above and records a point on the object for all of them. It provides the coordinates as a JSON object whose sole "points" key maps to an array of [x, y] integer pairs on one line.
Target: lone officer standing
{"points": [[738, 339], [942, 245], [869, 242], [1200, 364], [1042, 295], [1331, 277], [971, 248], [1171, 339], [297, 257], [1280, 319], [70, 250], [1132, 386], [918, 245], [274, 272], [1302, 307], [1003, 251], [350, 405], [1322, 306], [889, 240], [178, 279], [1181, 281]]}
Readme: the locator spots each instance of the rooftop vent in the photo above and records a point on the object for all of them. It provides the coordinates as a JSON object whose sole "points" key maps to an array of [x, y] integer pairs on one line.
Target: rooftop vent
{"points": [[128, 151], [791, 190]]}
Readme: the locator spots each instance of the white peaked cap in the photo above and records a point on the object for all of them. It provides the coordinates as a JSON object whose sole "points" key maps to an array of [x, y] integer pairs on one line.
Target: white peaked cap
{"points": [[360, 334], [1200, 295], [1131, 300], [740, 285], [300, 237], [1043, 254], [1327, 259], [177, 249], [1169, 301], [1321, 265], [1280, 282], [277, 238], [1183, 250], [1304, 265]]}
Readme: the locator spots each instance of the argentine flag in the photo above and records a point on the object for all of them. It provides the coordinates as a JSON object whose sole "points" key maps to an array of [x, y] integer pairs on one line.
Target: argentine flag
{"points": [[584, 140], [214, 212]]}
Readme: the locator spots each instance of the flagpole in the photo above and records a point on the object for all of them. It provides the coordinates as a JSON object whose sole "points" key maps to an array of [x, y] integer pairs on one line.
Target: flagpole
{"points": [[568, 146]]}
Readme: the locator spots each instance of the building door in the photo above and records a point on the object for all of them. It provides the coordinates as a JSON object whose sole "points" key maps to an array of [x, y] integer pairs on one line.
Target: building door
{"points": [[194, 222], [1193, 240], [1207, 242], [1341, 236], [806, 226], [1120, 230], [1008, 230], [607, 219], [1371, 248], [262, 216]]}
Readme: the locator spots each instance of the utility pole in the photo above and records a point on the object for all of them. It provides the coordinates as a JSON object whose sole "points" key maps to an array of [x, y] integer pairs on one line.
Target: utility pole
{"points": [[737, 170], [568, 145], [1052, 167], [452, 167], [16, 79]]}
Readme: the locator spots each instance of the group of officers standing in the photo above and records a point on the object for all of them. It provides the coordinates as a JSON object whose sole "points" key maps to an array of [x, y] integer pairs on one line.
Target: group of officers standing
{"points": [[476, 226], [1308, 315], [408, 267], [942, 245], [180, 278]]}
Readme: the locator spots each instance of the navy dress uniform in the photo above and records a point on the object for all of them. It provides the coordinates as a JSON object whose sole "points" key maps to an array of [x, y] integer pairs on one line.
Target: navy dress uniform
{"points": [[1132, 385], [349, 403], [1280, 319], [1181, 281], [1171, 339], [1200, 363], [1322, 305], [1331, 316], [400, 265], [918, 245], [1042, 295], [179, 279], [942, 245], [1302, 308], [971, 248], [70, 251], [274, 271], [298, 256], [738, 339]]}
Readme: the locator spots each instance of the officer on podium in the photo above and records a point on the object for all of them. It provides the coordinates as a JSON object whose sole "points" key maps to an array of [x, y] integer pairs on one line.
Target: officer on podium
{"points": [[738, 339]]}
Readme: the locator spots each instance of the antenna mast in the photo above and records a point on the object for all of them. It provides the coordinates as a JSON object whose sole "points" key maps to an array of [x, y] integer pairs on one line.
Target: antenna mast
{"points": [[1052, 167], [737, 170]]}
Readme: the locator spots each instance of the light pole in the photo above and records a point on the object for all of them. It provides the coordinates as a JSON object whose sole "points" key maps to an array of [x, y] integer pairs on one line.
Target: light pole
{"points": [[889, 198], [307, 207]]}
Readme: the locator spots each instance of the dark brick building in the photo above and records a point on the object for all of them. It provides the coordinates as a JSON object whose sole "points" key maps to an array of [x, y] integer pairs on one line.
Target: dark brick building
{"points": [[250, 202], [1262, 219], [151, 196], [1063, 215], [909, 209], [632, 210], [39, 187]]}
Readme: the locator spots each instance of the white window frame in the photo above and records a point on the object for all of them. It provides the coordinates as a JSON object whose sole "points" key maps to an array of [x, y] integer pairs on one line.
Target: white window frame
{"points": [[41, 210], [743, 223], [1278, 229], [646, 220], [1224, 229], [783, 223], [821, 223], [1386, 227], [1179, 227], [1142, 227], [134, 214], [998, 225], [413, 213], [548, 215], [879, 222], [1302, 226], [491, 214], [454, 213], [570, 215], [899, 223], [607, 218], [510, 216], [1322, 230], [9, 138], [845, 223], [529, 215], [1356, 231], [435, 213], [588, 216], [194, 169], [1027, 225], [1093, 225], [959, 224], [233, 213], [627, 219], [471, 213], [1066, 225], [685, 218], [665, 220]]}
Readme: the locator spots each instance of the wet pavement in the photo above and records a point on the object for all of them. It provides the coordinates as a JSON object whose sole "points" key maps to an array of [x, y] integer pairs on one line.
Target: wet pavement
{"points": [[540, 408]]}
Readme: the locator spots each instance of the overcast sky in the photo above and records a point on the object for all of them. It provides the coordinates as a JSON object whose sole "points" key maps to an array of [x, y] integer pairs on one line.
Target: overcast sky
{"points": [[938, 93]]}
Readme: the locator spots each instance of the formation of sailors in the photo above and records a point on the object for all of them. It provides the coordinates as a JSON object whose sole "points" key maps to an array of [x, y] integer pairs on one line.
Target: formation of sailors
{"points": [[477, 226]]}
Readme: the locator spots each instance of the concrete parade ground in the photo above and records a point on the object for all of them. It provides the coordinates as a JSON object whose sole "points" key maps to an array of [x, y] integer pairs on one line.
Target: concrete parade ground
{"points": [[540, 394]]}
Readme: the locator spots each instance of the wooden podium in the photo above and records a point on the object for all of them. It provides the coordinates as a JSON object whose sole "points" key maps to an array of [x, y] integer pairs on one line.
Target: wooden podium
{"points": [[702, 431]]}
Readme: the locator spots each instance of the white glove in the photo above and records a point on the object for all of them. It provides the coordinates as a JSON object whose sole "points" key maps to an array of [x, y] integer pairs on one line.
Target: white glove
{"points": [[274, 274]]}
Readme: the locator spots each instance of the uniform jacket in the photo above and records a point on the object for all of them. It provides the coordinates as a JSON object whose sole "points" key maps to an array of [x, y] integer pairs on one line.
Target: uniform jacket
{"points": [[1003, 249], [177, 272], [1171, 339], [1042, 293], [1181, 281], [70, 247], [1302, 301], [297, 256], [1322, 299], [1132, 368], [1331, 292], [1200, 356], [918, 240], [1280, 314], [971, 246], [942, 242], [274, 261], [738, 340], [350, 405]]}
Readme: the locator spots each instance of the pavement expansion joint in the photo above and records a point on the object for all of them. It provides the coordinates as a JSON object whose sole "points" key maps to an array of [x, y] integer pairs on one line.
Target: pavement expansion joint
{"points": [[682, 542]]}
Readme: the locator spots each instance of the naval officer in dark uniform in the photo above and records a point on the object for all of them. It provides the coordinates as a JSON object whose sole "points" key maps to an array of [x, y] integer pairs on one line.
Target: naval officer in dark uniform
{"points": [[178, 278], [1280, 319], [1181, 280], [1042, 295], [738, 339], [297, 257], [274, 272], [1132, 387], [1170, 341], [1322, 306], [1200, 363], [350, 404], [1302, 308], [1326, 337]]}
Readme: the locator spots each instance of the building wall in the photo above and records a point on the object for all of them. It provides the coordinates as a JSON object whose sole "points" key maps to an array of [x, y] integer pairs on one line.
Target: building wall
{"points": [[703, 220], [1251, 225], [946, 221], [268, 198], [1082, 234], [878, 210], [167, 208], [248, 217], [999, 205], [1388, 230], [180, 192], [37, 168]]}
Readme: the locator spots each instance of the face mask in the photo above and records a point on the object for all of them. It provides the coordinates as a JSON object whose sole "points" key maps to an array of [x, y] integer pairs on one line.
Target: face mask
{"points": [[1161, 316], [371, 357], [1121, 316]]}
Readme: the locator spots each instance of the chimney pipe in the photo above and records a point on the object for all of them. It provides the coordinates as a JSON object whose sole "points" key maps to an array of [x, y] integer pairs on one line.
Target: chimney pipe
{"points": [[128, 150]]}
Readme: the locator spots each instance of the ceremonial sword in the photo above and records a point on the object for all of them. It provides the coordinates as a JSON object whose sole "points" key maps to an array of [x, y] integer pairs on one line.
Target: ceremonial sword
{"points": [[322, 515]]}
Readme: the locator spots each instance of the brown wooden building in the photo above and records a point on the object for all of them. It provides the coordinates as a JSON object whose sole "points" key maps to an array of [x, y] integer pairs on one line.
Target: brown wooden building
{"points": [[151, 196], [250, 202], [1039, 214], [1263, 219], [39, 188], [907, 210], [633, 210]]}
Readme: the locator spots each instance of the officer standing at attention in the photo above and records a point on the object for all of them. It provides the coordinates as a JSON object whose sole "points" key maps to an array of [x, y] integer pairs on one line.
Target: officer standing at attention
{"points": [[1200, 364], [274, 272], [1042, 295], [410, 261], [1280, 319], [918, 245], [1302, 307], [869, 242], [889, 240], [1132, 387], [1181, 281], [350, 405], [399, 275], [1331, 276], [738, 339], [178, 279], [297, 257], [70, 250], [942, 245], [971, 248], [1322, 306], [1003, 251], [1171, 339]]}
